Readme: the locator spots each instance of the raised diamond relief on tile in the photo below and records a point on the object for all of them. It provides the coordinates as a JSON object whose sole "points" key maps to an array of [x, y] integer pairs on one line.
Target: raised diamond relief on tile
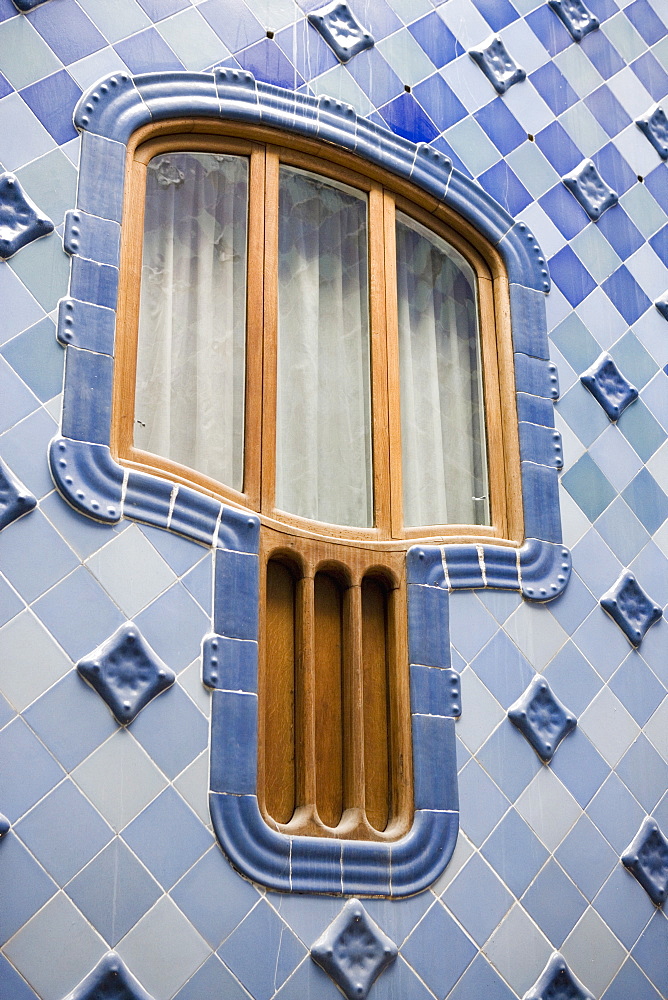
{"points": [[109, 980], [4, 826], [21, 221], [654, 124], [497, 64], [541, 718], [126, 672], [587, 185], [15, 500], [628, 605], [354, 951], [341, 30], [647, 857], [577, 18], [608, 386], [557, 982], [662, 305]]}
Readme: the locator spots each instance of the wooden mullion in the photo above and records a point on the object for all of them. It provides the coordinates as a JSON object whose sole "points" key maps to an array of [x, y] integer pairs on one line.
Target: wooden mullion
{"points": [[270, 354], [254, 329], [379, 385], [305, 734], [353, 703], [392, 372]]}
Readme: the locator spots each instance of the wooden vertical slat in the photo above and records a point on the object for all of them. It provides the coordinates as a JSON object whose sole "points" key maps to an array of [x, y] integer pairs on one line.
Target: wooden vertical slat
{"points": [[374, 719], [279, 692], [254, 328], [268, 488], [353, 703], [328, 669], [392, 373], [305, 729], [379, 397]]}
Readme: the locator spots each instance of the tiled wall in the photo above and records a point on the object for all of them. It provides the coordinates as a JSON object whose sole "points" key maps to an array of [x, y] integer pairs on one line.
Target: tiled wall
{"points": [[110, 844]]}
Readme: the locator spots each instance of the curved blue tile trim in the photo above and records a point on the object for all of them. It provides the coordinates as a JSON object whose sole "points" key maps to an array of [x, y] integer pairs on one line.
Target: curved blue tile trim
{"points": [[15, 499], [654, 125], [541, 718], [577, 18], [497, 64], [630, 607], [341, 30], [608, 386], [354, 951], [557, 982], [587, 185], [647, 857], [21, 221], [87, 477], [109, 980]]}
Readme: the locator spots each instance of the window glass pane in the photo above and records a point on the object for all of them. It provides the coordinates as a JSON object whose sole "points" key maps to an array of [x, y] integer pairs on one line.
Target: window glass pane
{"points": [[189, 404], [323, 419], [442, 421]]}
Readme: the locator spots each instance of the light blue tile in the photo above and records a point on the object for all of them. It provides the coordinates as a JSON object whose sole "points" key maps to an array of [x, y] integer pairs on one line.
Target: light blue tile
{"points": [[22, 136]]}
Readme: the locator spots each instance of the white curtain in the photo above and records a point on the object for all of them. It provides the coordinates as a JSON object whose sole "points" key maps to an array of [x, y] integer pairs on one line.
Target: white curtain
{"points": [[323, 420], [442, 427], [189, 403]]}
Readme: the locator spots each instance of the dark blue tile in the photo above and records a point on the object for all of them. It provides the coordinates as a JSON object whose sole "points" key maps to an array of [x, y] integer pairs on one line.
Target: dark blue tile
{"points": [[620, 232], [230, 664], [234, 742], [555, 903], [199, 583], [603, 9], [7, 10], [87, 401], [625, 906], [571, 608], [644, 772], [481, 803], [178, 552], [580, 767], [213, 897], [447, 150], [586, 857], [566, 213], [5, 85], [504, 185], [174, 626], [475, 882], [159, 9], [515, 852], [556, 144], [646, 21], [439, 967], [607, 110], [53, 557], [570, 675], [236, 32], [167, 837], [266, 61], [114, 891], [25, 889], [571, 277], [508, 759], [547, 27], [658, 242], [79, 613], [213, 979], [53, 100], [173, 732], [602, 53], [436, 39], [480, 980], [428, 626], [647, 500], [281, 951], [405, 117], [616, 813], [652, 75], [626, 294], [375, 76], [503, 669], [439, 101], [501, 126], [51, 717], [554, 88], [306, 49], [614, 168], [37, 357], [147, 52], [657, 183], [92, 282], [20, 786], [64, 832], [630, 982], [11, 984], [435, 691], [236, 595], [650, 951], [67, 30], [497, 13], [434, 762], [379, 18]]}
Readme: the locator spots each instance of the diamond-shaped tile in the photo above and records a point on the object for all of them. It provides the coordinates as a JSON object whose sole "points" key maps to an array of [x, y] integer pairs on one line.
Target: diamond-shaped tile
{"points": [[497, 64], [587, 185], [662, 305], [110, 980], [541, 718], [630, 607], [126, 672], [21, 221], [354, 951], [557, 982], [577, 18], [608, 386], [341, 30], [15, 499], [647, 857], [654, 125]]}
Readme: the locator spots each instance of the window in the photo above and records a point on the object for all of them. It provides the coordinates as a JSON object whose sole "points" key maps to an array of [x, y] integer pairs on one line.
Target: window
{"points": [[302, 339]]}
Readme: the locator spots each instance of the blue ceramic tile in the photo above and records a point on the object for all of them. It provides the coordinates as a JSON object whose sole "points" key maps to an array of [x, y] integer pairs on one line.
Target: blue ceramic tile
{"points": [[607, 110], [5, 86], [235, 595], [179, 553], [558, 147], [624, 906], [554, 903], [580, 767], [64, 832], [574, 339], [588, 486], [379, 18], [406, 118], [497, 13], [78, 613], [603, 9], [471, 626], [18, 401], [173, 732], [266, 61], [93, 282], [37, 358], [650, 950], [642, 431], [53, 100], [435, 770], [609, 386], [67, 30], [556, 979], [342, 31], [586, 857], [435, 691], [501, 126], [553, 88], [615, 170], [439, 967], [503, 669], [480, 980], [174, 625], [10, 605], [643, 17], [503, 184], [305, 49], [571, 277], [26, 887], [439, 101], [147, 51], [647, 859], [659, 243], [20, 786], [570, 609], [572, 678], [199, 583], [622, 531], [576, 17], [631, 982], [114, 891], [32, 577], [159, 9], [652, 565], [616, 813], [599, 569], [481, 803], [236, 32], [336, 950], [498, 64], [87, 403], [477, 881], [281, 950], [652, 75], [590, 189], [515, 852], [644, 772], [583, 414], [167, 837], [626, 294], [602, 53], [234, 743], [620, 232], [428, 635], [213, 979], [436, 39], [549, 30]]}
